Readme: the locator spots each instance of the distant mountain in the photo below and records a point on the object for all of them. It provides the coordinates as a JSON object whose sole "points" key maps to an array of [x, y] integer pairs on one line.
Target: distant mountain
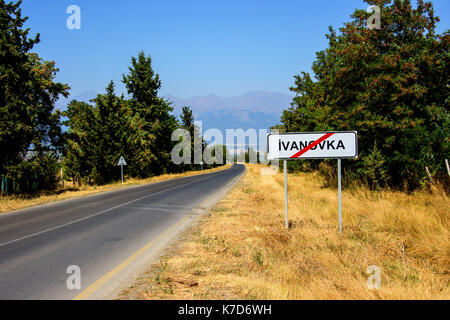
{"points": [[262, 101], [252, 110], [237, 119]]}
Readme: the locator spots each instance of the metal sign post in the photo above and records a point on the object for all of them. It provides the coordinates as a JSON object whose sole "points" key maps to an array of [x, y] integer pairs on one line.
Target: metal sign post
{"points": [[122, 163], [313, 145], [286, 216], [340, 194]]}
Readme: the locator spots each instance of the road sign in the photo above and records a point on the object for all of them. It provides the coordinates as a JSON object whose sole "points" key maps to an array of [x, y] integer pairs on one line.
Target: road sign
{"points": [[313, 145], [122, 162]]}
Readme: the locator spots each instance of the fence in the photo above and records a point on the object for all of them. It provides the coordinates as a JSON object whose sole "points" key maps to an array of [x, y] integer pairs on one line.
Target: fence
{"points": [[27, 184]]}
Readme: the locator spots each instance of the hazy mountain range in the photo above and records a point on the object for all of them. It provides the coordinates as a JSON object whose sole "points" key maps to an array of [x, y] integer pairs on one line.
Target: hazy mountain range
{"points": [[263, 101], [255, 109]]}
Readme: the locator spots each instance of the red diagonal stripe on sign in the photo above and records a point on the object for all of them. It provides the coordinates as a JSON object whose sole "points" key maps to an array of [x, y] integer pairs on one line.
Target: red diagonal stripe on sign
{"points": [[312, 145]]}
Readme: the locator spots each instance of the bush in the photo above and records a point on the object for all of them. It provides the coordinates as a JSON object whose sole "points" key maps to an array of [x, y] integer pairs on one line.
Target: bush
{"points": [[38, 173]]}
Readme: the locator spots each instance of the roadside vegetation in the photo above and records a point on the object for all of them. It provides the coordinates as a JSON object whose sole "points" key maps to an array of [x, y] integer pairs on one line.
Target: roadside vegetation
{"points": [[16, 202], [34, 144], [242, 250], [392, 86]]}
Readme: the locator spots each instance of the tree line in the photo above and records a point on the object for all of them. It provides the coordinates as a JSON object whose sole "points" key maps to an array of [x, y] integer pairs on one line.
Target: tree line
{"points": [[33, 146], [392, 86]]}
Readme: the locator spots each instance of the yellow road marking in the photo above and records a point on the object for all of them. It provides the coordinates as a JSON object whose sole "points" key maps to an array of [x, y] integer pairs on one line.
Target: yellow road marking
{"points": [[105, 278], [100, 282]]}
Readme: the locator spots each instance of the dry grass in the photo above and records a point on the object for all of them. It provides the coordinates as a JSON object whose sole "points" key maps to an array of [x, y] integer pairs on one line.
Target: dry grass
{"points": [[243, 251], [11, 203]]}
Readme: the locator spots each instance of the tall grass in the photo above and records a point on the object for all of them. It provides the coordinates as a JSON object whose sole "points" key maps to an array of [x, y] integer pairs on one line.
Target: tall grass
{"points": [[243, 251]]}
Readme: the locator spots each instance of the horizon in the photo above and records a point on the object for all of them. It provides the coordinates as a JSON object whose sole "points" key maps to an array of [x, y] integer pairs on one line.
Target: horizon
{"points": [[193, 97]]}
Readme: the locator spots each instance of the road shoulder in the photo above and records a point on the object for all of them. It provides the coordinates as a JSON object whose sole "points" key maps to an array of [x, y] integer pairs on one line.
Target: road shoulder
{"points": [[125, 275], [241, 249]]}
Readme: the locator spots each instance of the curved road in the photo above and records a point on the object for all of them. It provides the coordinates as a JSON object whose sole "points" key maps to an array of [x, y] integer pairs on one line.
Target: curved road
{"points": [[109, 236]]}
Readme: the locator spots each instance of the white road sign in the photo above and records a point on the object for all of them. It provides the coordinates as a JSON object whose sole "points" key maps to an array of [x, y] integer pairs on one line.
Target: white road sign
{"points": [[313, 145], [122, 162]]}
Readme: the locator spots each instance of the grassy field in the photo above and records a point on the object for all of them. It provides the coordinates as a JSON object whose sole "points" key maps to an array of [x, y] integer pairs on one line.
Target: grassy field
{"points": [[12, 203], [242, 251]]}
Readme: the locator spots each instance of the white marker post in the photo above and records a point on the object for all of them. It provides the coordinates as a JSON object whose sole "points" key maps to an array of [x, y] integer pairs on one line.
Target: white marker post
{"points": [[122, 163], [313, 145]]}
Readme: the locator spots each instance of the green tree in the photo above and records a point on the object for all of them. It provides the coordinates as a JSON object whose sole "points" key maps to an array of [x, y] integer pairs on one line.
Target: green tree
{"points": [[110, 135], [97, 137], [78, 159], [391, 85], [152, 146], [188, 123], [29, 126], [187, 120], [139, 129]]}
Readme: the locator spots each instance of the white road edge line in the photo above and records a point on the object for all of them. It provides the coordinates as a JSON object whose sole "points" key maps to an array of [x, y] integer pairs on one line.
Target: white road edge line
{"points": [[187, 220]]}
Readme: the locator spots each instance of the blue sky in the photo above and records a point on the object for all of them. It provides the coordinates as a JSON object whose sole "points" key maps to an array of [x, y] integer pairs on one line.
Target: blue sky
{"points": [[198, 47]]}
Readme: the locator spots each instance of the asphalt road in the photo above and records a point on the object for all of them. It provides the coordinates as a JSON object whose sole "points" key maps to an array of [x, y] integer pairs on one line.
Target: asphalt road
{"points": [[105, 235]]}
